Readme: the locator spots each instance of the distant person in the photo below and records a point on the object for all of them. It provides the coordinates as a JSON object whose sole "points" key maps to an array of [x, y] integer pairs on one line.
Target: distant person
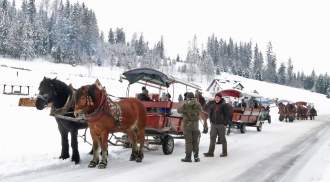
{"points": [[312, 113], [200, 98], [180, 98], [144, 96], [163, 97], [185, 96], [168, 96], [243, 104]]}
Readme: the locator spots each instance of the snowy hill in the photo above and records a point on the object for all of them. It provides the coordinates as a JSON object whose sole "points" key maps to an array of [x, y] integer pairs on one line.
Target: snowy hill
{"points": [[30, 142]]}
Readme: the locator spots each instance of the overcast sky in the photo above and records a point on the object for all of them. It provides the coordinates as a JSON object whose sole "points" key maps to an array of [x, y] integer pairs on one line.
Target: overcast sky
{"points": [[297, 28]]}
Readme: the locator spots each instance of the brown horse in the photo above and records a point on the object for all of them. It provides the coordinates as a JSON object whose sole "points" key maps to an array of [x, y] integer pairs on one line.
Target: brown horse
{"points": [[302, 112], [290, 112], [282, 111], [105, 116]]}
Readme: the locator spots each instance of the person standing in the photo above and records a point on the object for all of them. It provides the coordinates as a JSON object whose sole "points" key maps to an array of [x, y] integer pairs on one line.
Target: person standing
{"points": [[180, 99], [190, 111], [219, 119]]}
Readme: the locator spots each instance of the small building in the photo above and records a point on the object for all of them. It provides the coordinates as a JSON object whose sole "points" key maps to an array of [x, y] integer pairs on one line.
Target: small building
{"points": [[219, 84]]}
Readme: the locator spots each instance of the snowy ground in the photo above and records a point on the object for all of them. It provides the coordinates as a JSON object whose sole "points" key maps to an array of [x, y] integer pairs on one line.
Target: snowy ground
{"points": [[30, 142]]}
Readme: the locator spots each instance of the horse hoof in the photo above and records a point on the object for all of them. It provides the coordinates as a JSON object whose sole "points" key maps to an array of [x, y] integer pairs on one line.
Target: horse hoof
{"points": [[132, 158], [92, 164], [64, 157], [138, 159], [102, 165], [76, 160]]}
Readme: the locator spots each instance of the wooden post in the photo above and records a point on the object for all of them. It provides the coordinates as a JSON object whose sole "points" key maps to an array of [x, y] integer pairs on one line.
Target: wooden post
{"points": [[28, 90], [20, 89], [12, 89], [4, 88]]}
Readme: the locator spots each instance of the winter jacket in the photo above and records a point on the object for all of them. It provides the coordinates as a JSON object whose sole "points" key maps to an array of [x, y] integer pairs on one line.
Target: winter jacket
{"points": [[219, 113], [190, 111]]}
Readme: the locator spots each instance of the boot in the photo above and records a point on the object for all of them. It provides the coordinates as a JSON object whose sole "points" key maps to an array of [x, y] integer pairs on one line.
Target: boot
{"points": [[196, 158], [187, 158], [224, 150], [228, 131], [223, 155], [208, 154]]}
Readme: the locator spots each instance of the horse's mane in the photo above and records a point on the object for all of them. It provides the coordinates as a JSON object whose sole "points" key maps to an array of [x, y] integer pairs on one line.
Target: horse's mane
{"points": [[91, 91]]}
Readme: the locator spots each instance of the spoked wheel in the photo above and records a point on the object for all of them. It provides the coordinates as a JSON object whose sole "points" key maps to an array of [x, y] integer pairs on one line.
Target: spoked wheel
{"points": [[243, 128], [168, 144], [259, 128]]}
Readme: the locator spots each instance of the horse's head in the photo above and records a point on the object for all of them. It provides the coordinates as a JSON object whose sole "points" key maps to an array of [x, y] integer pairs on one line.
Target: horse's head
{"points": [[46, 94], [87, 98]]}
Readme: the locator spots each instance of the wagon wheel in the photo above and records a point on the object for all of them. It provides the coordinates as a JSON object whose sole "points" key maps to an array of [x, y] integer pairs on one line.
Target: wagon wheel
{"points": [[242, 128], [168, 144], [259, 128]]}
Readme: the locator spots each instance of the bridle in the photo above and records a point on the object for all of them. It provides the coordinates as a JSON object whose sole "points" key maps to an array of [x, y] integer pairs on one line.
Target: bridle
{"points": [[102, 107]]}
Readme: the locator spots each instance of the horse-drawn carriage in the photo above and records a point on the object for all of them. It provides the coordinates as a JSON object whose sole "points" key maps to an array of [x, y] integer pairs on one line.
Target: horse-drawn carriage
{"points": [[287, 110], [146, 122], [242, 115], [163, 122]]}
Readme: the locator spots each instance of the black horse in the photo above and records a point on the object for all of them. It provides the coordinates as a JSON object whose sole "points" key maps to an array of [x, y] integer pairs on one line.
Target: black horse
{"points": [[58, 93]]}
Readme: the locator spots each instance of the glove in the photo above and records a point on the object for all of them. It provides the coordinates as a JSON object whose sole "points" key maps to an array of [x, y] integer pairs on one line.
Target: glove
{"points": [[205, 130]]}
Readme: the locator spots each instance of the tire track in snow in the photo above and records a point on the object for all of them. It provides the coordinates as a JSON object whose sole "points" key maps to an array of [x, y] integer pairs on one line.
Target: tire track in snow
{"points": [[282, 165]]}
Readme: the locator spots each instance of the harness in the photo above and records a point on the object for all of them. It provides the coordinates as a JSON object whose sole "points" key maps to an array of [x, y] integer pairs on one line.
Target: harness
{"points": [[106, 106]]}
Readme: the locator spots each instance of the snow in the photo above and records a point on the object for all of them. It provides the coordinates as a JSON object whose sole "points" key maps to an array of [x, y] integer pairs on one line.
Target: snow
{"points": [[30, 142]]}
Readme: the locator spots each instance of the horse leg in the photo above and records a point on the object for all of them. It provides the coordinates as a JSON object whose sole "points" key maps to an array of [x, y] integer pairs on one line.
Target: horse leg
{"points": [[74, 145], [95, 159], [64, 141], [132, 140], [104, 148], [140, 145]]}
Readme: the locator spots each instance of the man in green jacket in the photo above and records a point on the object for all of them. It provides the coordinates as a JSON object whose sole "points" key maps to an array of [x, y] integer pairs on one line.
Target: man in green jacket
{"points": [[190, 111]]}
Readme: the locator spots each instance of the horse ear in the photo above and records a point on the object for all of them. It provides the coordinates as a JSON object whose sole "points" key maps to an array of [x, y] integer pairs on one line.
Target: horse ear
{"points": [[98, 84], [70, 86]]}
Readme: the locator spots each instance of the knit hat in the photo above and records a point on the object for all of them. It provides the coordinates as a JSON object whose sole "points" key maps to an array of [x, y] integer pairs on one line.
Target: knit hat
{"points": [[190, 95]]}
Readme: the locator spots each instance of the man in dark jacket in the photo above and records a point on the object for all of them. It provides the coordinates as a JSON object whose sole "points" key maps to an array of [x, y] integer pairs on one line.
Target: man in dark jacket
{"points": [[190, 111], [219, 119], [144, 96]]}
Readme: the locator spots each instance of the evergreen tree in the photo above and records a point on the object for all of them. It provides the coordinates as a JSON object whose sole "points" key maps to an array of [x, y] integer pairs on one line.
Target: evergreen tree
{"points": [[120, 36], [177, 58], [289, 72], [282, 74], [4, 26], [270, 72], [140, 46], [111, 37], [257, 63]]}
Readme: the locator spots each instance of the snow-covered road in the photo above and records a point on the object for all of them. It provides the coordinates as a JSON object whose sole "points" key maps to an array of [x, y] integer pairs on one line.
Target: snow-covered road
{"points": [[287, 164], [279, 152]]}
